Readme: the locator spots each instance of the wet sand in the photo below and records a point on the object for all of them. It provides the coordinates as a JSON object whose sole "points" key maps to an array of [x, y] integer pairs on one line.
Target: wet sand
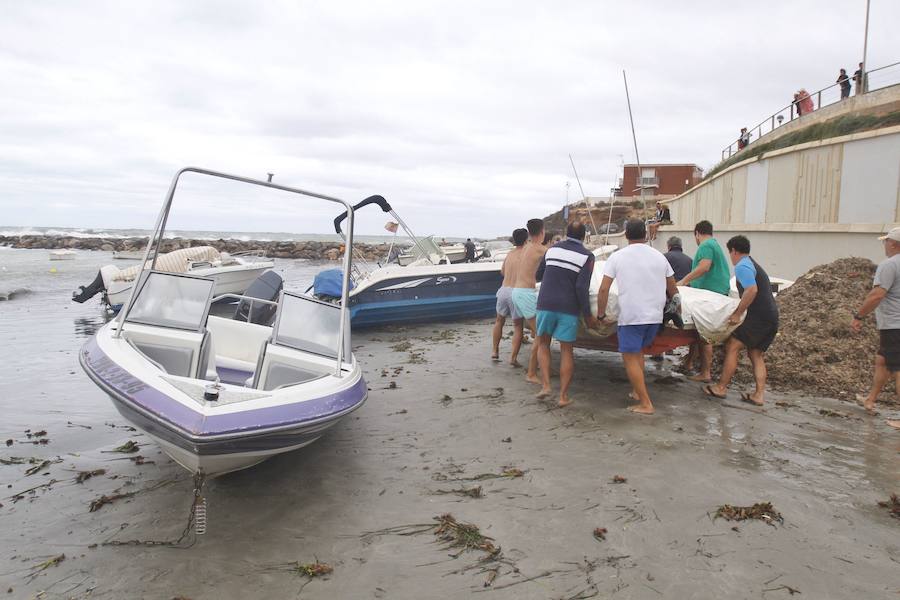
{"points": [[440, 415]]}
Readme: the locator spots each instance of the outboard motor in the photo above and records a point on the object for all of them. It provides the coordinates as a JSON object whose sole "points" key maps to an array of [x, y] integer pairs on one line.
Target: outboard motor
{"points": [[86, 292], [266, 287]]}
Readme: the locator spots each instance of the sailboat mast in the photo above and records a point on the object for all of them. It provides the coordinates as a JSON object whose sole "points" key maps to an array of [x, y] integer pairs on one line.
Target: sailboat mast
{"points": [[637, 156], [578, 179]]}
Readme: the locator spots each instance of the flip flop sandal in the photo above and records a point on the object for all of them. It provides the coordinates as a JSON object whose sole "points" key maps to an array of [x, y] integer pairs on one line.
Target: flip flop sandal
{"points": [[707, 389], [745, 397]]}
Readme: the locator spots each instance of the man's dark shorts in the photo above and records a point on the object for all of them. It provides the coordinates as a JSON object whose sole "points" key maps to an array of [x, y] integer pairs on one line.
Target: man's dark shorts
{"points": [[756, 335], [889, 348]]}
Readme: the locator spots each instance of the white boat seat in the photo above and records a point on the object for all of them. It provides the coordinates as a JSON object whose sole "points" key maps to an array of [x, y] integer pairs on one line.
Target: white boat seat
{"points": [[177, 352], [171, 359], [279, 367]]}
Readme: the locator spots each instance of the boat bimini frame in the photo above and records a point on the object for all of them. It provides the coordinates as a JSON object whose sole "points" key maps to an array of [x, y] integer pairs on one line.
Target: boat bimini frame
{"points": [[152, 251], [385, 207]]}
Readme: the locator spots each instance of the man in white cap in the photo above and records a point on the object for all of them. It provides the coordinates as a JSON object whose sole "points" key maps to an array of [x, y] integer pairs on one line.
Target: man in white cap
{"points": [[884, 301]]}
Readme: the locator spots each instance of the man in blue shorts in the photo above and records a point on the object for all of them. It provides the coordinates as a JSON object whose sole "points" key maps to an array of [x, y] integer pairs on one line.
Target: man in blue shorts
{"points": [[505, 306], [565, 276], [644, 279], [524, 294]]}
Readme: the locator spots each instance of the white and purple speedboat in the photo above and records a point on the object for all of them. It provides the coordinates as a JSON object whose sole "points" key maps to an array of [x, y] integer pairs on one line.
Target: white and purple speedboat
{"points": [[220, 394]]}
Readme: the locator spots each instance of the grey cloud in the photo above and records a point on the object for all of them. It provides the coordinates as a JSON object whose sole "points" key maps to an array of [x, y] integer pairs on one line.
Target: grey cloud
{"points": [[464, 114]]}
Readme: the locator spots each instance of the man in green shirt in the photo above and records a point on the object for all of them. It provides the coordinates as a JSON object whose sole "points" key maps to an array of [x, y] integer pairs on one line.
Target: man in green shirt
{"points": [[709, 272]]}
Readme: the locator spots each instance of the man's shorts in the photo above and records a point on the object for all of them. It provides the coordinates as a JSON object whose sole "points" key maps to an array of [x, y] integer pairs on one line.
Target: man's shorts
{"points": [[756, 335], [505, 306], [889, 348], [560, 326], [634, 338], [525, 301]]}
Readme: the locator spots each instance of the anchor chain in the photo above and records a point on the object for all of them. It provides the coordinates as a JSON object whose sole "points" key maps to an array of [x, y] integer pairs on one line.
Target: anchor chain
{"points": [[196, 521]]}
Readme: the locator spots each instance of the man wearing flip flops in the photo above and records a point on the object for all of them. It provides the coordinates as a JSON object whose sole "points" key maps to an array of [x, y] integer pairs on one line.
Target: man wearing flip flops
{"points": [[760, 325], [884, 301]]}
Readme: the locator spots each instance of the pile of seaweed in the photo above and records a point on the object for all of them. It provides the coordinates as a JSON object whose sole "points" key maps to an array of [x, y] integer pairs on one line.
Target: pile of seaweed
{"points": [[815, 353]]}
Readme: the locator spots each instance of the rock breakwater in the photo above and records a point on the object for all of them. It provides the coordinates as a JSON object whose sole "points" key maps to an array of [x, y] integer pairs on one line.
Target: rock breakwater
{"points": [[311, 250]]}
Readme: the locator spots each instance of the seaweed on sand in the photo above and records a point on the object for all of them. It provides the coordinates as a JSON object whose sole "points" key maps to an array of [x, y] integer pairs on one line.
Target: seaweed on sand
{"points": [[464, 536], [506, 473], [313, 569], [38, 467], [51, 562], [474, 492], [126, 448], [763, 511], [85, 475], [892, 504]]}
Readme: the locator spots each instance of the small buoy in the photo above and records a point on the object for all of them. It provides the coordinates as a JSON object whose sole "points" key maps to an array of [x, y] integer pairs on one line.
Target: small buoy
{"points": [[53, 269]]}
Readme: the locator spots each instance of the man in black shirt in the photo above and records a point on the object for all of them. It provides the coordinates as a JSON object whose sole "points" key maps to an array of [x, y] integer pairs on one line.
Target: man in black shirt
{"points": [[859, 80], [681, 262], [845, 84], [470, 250], [759, 327]]}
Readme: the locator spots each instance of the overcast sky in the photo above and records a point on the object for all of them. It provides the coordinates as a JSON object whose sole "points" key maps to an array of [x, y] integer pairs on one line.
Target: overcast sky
{"points": [[462, 114]]}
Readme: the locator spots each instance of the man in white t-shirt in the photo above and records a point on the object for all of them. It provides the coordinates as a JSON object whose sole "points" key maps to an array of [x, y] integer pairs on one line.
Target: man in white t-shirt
{"points": [[645, 279]]}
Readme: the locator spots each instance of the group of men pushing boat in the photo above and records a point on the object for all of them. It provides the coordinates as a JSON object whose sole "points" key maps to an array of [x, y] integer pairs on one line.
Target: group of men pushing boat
{"points": [[647, 290]]}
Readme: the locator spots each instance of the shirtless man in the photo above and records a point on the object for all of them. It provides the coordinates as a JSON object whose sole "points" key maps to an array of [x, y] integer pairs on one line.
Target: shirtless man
{"points": [[505, 307], [524, 294]]}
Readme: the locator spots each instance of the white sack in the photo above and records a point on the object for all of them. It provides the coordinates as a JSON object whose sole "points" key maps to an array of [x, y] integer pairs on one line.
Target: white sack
{"points": [[706, 311]]}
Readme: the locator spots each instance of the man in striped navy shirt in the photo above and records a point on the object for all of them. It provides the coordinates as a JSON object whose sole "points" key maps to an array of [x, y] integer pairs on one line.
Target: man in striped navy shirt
{"points": [[565, 276]]}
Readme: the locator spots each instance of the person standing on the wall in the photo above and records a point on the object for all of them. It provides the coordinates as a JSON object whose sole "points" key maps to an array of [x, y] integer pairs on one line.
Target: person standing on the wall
{"points": [[744, 139], [844, 80], [858, 79]]}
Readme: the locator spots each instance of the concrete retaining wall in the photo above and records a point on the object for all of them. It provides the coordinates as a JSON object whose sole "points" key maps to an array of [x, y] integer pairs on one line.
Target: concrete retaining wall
{"points": [[788, 254]]}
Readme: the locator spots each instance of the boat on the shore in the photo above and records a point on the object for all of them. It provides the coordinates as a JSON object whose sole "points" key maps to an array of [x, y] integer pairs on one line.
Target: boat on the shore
{"points": [[218, 394], [62, 255], [428, 289], [232, 273], [127, 255], [452, 253], [496, 250]]}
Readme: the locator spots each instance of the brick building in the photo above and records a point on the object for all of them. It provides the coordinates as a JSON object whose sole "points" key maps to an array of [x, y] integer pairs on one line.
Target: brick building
{"points": [[659, 180]]}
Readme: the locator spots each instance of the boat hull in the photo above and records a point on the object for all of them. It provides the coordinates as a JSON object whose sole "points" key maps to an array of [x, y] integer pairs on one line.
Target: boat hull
{"points": [[417, 297], [668, 339], [217, 444]]}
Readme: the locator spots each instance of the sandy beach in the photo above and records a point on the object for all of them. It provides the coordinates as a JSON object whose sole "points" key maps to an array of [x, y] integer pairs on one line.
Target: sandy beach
{"points": [[441, 421]]}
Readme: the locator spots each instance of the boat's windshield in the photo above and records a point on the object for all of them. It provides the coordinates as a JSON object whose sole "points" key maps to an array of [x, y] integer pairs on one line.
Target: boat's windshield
{"points": [[426, 248], [309, 325], [172, 300]]}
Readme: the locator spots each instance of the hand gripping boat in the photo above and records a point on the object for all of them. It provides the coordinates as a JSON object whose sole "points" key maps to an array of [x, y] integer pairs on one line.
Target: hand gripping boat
{"points": [[220, 394]]}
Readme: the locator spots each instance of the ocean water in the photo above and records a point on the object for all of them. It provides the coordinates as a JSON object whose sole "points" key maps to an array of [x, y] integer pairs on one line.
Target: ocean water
{"points": [[42, 329], [262, 236]]}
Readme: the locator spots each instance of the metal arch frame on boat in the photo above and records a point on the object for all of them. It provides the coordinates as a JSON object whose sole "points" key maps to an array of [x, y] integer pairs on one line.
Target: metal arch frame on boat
{"points": [[385, 207], [156, 237]]}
